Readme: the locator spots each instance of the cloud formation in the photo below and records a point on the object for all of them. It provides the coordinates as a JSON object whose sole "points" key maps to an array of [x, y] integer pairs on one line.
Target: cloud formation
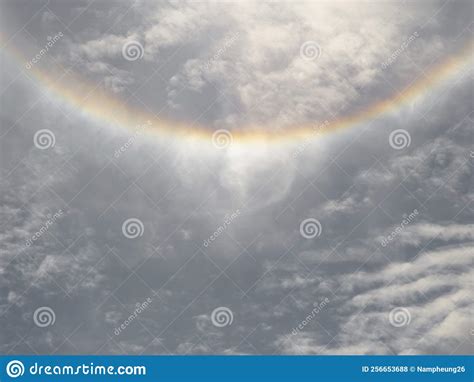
{"points": [[225, 66]]}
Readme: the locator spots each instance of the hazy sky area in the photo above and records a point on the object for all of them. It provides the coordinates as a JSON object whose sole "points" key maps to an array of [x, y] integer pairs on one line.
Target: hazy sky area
{"points": [[236, 177]]}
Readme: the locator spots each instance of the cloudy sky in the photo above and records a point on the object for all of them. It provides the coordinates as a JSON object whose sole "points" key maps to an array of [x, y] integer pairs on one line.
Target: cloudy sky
{"points": [[236, 177]]}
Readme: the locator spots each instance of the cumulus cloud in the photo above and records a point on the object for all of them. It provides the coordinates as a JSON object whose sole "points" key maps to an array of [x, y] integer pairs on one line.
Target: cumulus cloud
{"points": [[250, 54], [230, 65], [430, 289]]}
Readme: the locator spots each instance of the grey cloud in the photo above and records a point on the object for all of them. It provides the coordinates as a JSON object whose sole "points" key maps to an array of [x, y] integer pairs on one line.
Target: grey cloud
{"points": [[259, 266]]}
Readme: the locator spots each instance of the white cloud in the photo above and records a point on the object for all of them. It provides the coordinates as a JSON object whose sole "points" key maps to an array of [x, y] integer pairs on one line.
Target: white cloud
{"points": [[261, 71], [422, 232], [183, 190], [435, 288]]}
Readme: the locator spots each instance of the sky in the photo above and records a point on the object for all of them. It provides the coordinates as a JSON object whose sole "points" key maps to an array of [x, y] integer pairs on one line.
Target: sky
{"points": [[236, 177]]}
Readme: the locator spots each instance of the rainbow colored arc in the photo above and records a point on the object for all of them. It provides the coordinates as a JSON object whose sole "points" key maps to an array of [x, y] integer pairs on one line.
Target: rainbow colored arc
{"points": [[103, 106]]}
